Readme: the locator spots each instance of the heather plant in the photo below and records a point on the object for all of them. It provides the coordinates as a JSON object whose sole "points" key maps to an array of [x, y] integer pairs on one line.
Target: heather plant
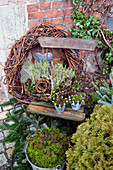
{"points": [[60, 73], [42, 70], [93, 142], [38, 70]]}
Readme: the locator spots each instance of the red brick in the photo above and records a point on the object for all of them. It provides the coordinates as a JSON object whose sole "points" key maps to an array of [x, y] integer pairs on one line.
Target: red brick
{"points": [[69, 11], [57, 50], [36, 48], [64, 12], [67, 4], [34, 23], [36, 15], [51, 14], [70, 25], [56, 4], [96, 14], [46, 50], [62, 27], [45, 6], [32, 8], [58, 55], [61, 13], [57, 21], [67, 20], [46, 21]]}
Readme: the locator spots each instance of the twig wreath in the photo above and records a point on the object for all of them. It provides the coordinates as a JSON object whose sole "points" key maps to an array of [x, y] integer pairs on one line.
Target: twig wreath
{"points": [[19, 53]]}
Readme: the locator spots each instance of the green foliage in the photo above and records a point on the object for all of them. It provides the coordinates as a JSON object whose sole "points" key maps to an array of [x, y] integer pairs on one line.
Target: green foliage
{"points": [[104, 93], [42, 70], [60, 74], [59, 101], [38, 70], [47, 148], [88, 27], [93, 142], [77, 98], [19, 130]]}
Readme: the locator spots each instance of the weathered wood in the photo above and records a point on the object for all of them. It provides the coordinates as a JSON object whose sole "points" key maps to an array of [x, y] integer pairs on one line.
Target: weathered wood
{"points": [[48, 110], [68, 43]]}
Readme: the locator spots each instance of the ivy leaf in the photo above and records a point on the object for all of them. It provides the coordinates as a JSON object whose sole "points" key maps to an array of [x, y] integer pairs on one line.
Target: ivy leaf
{"points": [[88, 24]]}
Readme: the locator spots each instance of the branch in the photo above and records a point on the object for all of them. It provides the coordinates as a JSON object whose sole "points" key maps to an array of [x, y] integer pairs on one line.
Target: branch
{"points": [[106, 40]]}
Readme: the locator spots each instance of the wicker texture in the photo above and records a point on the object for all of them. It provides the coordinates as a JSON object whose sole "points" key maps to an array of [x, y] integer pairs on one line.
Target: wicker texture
{"points": [[19, 53]]}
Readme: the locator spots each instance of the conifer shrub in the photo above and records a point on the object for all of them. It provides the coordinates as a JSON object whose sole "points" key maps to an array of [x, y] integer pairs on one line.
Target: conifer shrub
{"points": [[93, 142]]}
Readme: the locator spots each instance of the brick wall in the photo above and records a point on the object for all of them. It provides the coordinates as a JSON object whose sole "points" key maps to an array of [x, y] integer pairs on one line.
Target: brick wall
{"points": [[54, 12]]}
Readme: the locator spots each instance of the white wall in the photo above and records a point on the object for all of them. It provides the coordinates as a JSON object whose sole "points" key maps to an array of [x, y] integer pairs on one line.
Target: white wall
{"points": [[13, 24]]}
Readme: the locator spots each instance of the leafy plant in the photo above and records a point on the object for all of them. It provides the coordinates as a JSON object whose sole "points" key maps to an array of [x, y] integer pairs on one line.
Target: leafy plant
{"points": [[89, 27], [47, 148], [42, 70], [104, 93], [92, 143], [59, 101], [38, 70], [19, 130], [60, 74], [77, 98], [86, 27]]}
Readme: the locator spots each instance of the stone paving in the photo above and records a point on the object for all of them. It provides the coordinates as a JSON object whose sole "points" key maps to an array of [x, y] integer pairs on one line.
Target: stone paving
{"points": [[7, 148]]}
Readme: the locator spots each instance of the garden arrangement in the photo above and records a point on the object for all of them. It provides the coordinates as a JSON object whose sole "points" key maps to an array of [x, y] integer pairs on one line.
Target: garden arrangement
{"points": [[56, 143]]}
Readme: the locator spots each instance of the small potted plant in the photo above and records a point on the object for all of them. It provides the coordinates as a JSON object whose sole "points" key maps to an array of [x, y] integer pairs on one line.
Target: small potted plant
{"points": [[59, 103], [76, 102], [46, 149]]}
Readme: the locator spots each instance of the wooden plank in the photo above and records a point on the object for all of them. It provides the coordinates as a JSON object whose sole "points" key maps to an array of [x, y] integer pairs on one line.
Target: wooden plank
{"points": [[48, 104], [48, 111], [68, 43]]}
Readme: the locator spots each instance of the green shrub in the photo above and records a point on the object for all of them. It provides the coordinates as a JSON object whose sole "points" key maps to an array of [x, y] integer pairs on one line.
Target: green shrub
{"points": [[93, 142], [47, 148]]}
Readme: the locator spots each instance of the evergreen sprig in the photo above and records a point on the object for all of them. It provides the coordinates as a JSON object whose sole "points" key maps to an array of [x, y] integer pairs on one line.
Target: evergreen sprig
{"points": [[105, 93]]}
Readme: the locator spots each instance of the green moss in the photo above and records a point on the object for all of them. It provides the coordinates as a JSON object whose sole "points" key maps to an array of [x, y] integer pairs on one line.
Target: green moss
{"points": [[47, 148], [93, 142]]}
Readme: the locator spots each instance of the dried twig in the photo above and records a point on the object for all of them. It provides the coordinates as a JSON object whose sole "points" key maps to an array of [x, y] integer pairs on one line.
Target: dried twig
{"points": [[106, 40], [18, 55]]}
